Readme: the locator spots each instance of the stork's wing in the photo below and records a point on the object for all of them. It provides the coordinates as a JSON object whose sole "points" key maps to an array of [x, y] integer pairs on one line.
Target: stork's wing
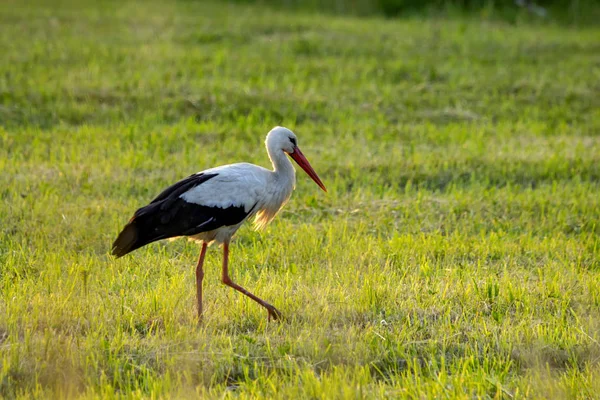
{"points": [[173, 214]]}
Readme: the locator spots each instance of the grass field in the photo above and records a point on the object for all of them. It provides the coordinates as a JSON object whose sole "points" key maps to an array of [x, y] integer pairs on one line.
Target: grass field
{"points": [[456, 254]]}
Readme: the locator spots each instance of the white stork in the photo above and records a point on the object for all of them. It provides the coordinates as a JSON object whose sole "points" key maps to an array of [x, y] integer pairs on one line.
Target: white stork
{"points": [[211, 205]]}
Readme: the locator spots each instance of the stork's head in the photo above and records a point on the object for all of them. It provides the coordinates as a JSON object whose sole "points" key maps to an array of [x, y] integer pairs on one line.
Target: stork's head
{"points": [[282, 139]]}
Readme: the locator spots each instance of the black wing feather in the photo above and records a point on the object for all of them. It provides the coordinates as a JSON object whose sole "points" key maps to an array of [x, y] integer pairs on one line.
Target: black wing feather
{"points": [[168, 215], [177, 189]]}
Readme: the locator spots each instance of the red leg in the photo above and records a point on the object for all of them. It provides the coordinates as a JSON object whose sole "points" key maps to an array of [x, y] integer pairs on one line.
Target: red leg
{"points": [[273, 312], [199, 278]]}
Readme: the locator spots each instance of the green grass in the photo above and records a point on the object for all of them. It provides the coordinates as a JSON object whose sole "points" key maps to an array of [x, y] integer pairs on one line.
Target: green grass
{"points": [[456, 254]]}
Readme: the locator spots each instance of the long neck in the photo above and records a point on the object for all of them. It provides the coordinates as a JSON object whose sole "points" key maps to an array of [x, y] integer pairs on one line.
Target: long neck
{"points": [[282, 166]]}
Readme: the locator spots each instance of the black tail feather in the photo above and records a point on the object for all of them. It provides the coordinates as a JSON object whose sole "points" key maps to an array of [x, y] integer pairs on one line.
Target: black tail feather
{"points": [[127, 241], [140, 231]]}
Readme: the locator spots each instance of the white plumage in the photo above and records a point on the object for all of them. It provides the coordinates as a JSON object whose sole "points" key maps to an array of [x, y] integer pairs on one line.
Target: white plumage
{"points": [[211, 205]]}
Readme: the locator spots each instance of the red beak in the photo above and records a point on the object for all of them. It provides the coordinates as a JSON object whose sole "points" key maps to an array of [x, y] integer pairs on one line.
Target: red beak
{"points": [[305, 165]]}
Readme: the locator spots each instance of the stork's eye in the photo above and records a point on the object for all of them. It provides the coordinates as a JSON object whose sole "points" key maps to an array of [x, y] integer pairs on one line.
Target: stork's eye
{"points": [[293, 140]]}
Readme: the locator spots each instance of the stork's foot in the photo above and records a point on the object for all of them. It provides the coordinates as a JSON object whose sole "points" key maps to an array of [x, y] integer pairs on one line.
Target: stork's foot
{"points": [[274, 313]]}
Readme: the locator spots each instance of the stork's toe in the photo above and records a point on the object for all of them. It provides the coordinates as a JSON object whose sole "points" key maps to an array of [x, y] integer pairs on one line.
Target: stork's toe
{"points": [[274, 313]]}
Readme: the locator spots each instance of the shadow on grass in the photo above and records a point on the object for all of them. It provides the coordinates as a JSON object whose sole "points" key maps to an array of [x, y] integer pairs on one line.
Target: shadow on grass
{"points": [[106, 107], [484, 173]]}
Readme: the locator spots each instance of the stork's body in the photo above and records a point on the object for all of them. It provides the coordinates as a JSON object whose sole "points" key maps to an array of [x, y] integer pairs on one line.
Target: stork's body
{"points": [[210, 206]]}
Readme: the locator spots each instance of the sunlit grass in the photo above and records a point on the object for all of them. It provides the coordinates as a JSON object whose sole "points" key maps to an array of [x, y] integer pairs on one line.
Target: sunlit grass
{"points": [[454, 255]]}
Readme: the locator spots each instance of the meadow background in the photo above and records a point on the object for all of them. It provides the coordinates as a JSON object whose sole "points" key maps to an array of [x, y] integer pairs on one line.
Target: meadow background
{"points": [[456, 254]]}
